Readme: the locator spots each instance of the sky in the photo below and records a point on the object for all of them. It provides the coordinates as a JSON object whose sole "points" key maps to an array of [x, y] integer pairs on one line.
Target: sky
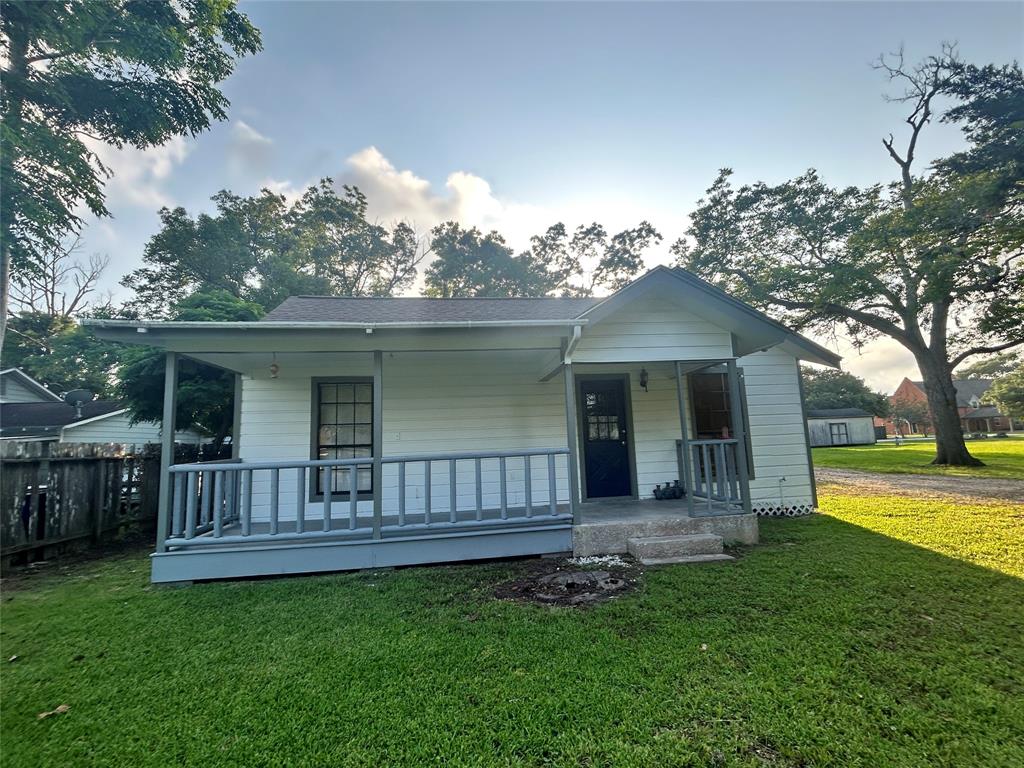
{"points": [[513, 116]]}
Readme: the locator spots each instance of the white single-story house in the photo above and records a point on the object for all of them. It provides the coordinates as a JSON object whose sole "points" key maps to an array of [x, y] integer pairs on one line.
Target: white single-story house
{"points": [[840, 426], [390, 431]]}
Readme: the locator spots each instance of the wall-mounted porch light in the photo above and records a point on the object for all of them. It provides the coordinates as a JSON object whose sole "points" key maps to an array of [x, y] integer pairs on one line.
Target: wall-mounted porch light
{"points": [[643, 378]]}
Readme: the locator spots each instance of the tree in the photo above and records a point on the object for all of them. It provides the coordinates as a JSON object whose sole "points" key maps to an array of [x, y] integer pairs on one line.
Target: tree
{"points": [[470, 263], [931, 260], [205, 393], [82, 73], [44, 338], [829, 388], [1008, 393], [262, 249], [909, 412], [989, 367]]}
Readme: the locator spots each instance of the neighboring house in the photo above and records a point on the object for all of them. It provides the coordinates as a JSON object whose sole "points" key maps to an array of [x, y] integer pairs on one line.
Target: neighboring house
{"points": [[388, 431], [840, 426], [16, 386], [976, 413], [30, 411]]}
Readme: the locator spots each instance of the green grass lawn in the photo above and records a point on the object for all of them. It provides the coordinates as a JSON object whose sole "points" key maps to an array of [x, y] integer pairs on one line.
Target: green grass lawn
{"points": [[887, 632], [1003, 457]]}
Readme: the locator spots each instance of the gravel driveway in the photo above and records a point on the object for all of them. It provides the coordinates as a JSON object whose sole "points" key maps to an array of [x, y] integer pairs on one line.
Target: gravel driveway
{"points": [[973, 488]]}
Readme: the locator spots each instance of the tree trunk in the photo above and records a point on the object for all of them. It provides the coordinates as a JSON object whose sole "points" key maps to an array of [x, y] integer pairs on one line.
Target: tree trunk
{"points": [[950, 447]]}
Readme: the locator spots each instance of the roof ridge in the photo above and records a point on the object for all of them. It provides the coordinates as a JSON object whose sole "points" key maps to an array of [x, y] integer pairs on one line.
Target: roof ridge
{"points": [[450, 298]]}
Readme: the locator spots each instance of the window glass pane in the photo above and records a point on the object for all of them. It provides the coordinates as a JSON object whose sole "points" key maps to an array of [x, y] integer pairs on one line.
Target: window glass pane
{"points": [[362, 453], [364, 393], [363, 414], [364, 479], [345, 393], [328, 393], [363, 434], [328, 436], [328, 414]]}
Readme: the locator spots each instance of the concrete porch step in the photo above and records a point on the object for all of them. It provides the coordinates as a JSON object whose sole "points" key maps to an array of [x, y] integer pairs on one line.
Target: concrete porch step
{"points": [[688, 559], [663, 549]]}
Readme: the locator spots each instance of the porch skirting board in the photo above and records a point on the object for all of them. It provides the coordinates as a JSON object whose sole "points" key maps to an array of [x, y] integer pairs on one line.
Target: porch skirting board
{"points": [[306, 557]]}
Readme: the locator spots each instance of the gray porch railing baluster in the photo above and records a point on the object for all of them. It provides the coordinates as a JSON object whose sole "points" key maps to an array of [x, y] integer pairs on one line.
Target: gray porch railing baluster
{"points": [[707, 481], [353, 496], [504, 488], [328, 492], [528, 480], [478, 477], [453, 492], [176, 506], [218, 504], [190, 509], [401, 493], [300, 499], [275, 480], [426, 492], [552, 485], [247, 502]]}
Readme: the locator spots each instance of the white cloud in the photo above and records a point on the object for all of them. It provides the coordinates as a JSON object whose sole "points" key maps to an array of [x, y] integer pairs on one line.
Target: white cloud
{"points": [[249, 152], [139, 175]]}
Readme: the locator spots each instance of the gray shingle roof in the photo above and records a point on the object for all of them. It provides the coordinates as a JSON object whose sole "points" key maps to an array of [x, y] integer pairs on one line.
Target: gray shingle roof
{"points": [[836, 413], [416, 310], [966, 390], [42, 418]]}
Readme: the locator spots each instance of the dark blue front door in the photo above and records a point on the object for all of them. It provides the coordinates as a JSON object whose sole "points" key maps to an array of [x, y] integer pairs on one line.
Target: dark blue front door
{"points": [[605, 442]]}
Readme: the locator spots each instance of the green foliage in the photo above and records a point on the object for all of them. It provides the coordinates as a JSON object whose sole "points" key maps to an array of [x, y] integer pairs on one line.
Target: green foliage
{"points": [[262, 249], [60, 354], [470, 263], [884, 632], [990, 367], [136, 73], [205, 393], [901, 260], [1008, 393], [829, 388]]}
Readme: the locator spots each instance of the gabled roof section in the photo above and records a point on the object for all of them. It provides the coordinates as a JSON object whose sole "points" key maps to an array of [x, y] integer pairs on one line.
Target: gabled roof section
{"points": [[45, 395], [837, 413], [752, 330], [424, 310], [34, 419]]}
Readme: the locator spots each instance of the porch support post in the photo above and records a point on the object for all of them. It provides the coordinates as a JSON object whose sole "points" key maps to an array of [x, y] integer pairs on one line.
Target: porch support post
{"points": [[236, 423], [573, 437], [684, 451], [167, 431], [378, 442], [739, 433]]}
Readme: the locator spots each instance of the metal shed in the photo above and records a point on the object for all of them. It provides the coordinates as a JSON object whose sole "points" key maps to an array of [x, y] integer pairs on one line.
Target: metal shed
{"points": [[840, 426]]}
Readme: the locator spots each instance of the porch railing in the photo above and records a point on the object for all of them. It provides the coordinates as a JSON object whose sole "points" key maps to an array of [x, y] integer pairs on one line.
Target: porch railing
{"points": [[714, 472], [238, 501]]}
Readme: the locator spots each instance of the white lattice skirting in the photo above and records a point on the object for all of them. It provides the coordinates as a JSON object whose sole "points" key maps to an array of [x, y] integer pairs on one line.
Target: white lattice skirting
{"points": [[789, 510]]}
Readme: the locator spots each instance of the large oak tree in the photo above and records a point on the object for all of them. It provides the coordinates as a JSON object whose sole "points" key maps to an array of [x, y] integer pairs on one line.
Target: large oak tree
{"points": [[115, 72], [931, 260]]}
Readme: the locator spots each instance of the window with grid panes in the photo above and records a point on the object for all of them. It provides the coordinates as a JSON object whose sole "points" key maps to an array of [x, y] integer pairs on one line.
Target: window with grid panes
{"points": [[344, 431]]}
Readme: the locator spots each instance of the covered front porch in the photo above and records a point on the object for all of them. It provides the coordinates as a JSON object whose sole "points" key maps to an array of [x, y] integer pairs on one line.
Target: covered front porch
{"points": [[262, 516]]}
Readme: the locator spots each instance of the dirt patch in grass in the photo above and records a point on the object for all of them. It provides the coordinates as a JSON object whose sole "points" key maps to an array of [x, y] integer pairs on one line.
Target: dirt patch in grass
{"points": [[565, 583], [860, 483]]}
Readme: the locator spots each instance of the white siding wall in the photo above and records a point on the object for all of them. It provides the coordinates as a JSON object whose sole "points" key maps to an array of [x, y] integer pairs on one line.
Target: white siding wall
{"points": [[777, 433], [494, 401], [117, 429], [654, 329], [14, 391], [860, 430]]}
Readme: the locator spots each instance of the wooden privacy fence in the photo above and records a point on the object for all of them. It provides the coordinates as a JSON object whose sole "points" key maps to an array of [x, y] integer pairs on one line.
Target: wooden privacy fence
{"points": [[53, 494]]}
